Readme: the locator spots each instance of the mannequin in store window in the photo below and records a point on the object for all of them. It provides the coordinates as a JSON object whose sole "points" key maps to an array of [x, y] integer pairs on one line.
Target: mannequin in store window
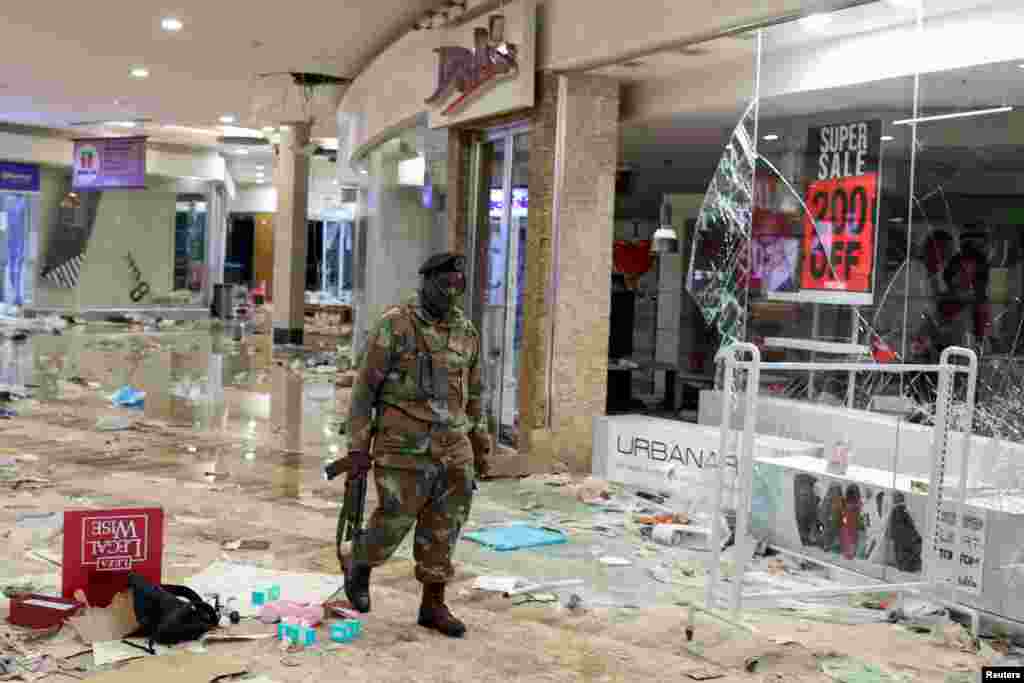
{"points": [[961, 315], [17, 235]]}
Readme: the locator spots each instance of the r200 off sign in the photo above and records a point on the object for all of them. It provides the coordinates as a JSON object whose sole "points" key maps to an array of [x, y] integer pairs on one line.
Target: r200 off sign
{"points": [[839, 245]]}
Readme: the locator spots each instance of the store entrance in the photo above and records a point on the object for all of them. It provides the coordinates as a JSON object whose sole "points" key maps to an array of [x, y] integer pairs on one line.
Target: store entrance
{"points": [[499, 262]]}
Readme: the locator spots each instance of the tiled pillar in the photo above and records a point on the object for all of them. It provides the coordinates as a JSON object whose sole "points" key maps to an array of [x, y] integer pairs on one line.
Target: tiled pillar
{"points": [[459, 143], [573, 158], [292, 182]]}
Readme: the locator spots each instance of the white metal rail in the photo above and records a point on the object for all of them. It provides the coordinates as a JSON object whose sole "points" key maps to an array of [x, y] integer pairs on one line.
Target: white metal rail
{"points": [[747, 357]]}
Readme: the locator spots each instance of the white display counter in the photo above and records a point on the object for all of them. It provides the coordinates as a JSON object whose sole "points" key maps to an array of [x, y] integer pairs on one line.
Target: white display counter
{"points": [[879, 441], [791, 482], [795, 497]]}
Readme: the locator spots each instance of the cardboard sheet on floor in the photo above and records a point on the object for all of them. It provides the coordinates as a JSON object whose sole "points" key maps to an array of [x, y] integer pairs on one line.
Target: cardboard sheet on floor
{"points": [[176, 668], [101, 624], [113, 651], [238, 581], [516, 537]]}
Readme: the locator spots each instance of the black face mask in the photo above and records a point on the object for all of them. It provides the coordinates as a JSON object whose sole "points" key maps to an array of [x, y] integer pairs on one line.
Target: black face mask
{"points": [[441, 292]]}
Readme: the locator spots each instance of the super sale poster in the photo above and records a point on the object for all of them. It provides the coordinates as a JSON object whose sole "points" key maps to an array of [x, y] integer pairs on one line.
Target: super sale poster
{"points": [[838, 250]]}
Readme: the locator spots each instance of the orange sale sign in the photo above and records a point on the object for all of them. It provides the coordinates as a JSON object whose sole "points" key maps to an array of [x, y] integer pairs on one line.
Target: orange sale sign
{"points": [[839, 244]]}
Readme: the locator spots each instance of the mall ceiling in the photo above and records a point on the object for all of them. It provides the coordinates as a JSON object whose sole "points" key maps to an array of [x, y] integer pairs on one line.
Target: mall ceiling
{"points": [[68, 62]]}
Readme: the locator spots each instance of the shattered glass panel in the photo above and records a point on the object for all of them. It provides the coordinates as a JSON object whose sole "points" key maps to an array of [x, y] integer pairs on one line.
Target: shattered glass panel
{"points": [[719, 266]]}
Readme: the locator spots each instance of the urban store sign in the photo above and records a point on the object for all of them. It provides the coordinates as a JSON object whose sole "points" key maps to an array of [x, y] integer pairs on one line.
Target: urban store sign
{"points": [[488, 67], [839, 243], [657, 454], [109, 164], [19, 177]]}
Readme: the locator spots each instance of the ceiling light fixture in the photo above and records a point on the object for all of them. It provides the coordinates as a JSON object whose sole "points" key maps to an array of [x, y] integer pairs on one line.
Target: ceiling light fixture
{"points": [[771, 137], [905, 4], [816, 22], [956, 115], [887, 138], [171, 24], [124, 124], [139, 72], [227, 119]]}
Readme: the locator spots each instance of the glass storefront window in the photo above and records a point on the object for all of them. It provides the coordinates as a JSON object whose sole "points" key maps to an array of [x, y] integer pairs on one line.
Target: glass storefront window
{"points": [[500, 246], [190, 270], [867, 207]]}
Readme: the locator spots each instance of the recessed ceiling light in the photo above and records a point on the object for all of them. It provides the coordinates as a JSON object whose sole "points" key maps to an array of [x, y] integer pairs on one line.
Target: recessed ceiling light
{"points": [[140, 72], [887, 138], [905, 4], [171, 24], [227, 118], [771, 137], [816, 22]]}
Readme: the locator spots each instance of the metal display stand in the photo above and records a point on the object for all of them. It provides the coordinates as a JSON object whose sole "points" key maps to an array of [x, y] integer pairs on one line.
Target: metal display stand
{"points": [[747, 357]]}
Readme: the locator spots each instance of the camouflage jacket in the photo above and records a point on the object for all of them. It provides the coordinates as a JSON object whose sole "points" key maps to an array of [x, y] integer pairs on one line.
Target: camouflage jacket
{"points": [[430, 387]]}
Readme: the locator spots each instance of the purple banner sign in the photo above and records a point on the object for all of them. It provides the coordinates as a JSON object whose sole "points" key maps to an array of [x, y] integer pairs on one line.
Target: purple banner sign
{"points": [[19, 177], [109, 164]]}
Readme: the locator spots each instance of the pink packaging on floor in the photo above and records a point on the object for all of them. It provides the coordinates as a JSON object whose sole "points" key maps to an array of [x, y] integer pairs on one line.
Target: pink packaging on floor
{"points": [[273, 612]]}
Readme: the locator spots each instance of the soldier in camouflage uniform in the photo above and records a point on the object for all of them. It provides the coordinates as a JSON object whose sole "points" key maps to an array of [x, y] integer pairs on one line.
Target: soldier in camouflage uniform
{"points": [[419, 390]]}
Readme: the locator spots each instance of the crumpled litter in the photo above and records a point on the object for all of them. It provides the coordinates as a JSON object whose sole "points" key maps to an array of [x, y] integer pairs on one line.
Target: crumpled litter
{"points": [[128, 397], [113, 423], [593, 490]]}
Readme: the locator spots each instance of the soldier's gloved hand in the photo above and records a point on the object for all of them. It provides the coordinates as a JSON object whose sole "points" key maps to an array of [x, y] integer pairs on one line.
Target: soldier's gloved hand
{"points": [[360, 464]]}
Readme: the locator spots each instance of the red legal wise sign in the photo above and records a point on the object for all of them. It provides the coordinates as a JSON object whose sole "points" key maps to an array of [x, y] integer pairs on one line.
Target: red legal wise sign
{"points": [[102, 546], [839, 244]]}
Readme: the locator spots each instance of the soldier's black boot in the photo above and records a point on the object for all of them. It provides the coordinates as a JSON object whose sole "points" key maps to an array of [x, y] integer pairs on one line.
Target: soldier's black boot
{"points": [[434, 613], [357, 585]]}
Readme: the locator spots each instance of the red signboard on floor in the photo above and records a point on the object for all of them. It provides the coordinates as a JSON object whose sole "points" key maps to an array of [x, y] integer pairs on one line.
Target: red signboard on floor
{"points": [[102, 546], [840, 243]]}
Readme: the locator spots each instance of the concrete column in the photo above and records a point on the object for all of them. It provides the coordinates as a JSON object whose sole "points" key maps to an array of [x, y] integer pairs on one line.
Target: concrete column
{"points": [[216, 234], [292, 182], [573, 158]]}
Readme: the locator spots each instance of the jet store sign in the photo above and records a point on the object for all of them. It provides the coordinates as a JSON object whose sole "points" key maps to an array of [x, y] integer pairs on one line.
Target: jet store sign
{"points": [[842, 199]]}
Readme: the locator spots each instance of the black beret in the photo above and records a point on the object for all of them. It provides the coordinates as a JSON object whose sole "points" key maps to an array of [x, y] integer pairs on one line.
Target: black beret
{"points": [[444, 262]]}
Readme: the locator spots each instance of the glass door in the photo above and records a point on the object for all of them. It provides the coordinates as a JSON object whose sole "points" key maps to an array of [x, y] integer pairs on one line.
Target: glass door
{"points": [[331, 260], [499, 260]]}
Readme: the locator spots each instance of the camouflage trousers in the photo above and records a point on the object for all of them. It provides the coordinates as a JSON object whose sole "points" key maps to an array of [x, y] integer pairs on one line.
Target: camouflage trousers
{"points": [[436, 499]]}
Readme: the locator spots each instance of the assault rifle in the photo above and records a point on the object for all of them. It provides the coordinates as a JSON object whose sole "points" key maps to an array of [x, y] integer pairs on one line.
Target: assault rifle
{"points": [[350, 519]]}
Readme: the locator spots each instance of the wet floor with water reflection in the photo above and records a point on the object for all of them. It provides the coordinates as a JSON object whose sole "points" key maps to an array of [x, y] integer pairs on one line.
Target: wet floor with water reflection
{"points": [[244, 414]]}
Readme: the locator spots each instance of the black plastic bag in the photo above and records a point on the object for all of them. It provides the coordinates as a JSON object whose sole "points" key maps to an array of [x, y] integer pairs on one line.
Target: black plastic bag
{"points": [[170, 614]]}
